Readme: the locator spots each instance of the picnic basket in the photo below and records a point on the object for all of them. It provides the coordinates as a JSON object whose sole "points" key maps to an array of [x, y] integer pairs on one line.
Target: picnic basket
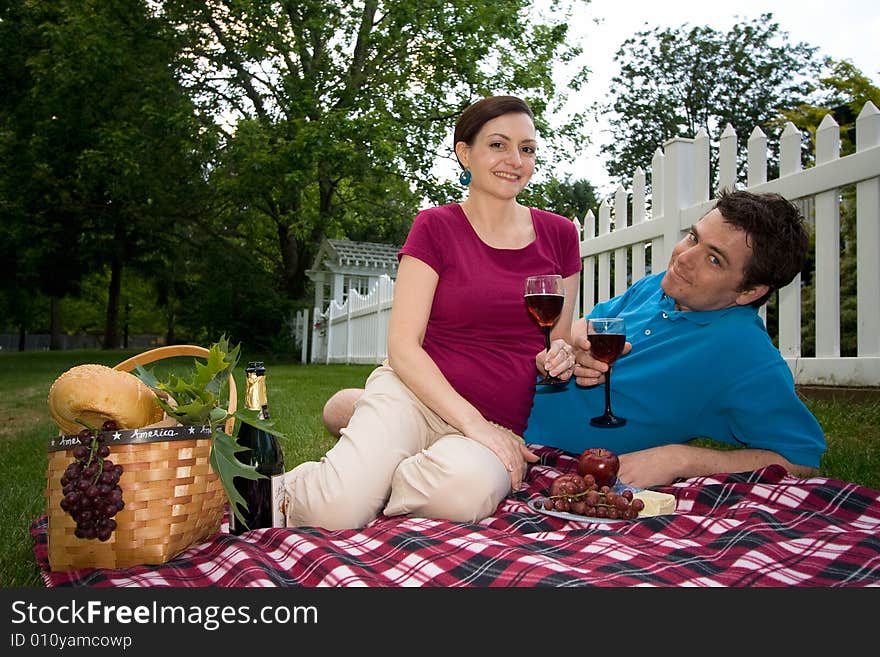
{"points": [[173, 498]]}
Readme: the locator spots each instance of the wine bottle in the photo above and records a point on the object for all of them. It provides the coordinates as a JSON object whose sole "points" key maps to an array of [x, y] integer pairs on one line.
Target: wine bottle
{"points": [[263, 496]]}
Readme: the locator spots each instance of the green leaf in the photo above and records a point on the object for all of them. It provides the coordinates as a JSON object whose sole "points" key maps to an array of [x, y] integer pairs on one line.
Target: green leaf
{"points": [[147, 377], [219, 362], [252, 417], [198, 402], [227, 466], [218, 414]]}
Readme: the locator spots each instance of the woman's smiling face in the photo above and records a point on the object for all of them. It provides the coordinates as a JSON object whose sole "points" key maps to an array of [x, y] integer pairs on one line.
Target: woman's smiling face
{"points": [[502, 157]]}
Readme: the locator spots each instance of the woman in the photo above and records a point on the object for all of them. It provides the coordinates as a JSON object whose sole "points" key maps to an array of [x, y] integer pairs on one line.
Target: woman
{"points": [[437, 431]]}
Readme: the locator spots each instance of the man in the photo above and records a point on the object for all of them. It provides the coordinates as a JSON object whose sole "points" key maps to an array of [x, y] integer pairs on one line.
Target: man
{"points": [[698, 361]]}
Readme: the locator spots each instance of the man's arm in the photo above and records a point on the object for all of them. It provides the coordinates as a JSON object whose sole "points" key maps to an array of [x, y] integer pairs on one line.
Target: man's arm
{"points": [[660, 466]]}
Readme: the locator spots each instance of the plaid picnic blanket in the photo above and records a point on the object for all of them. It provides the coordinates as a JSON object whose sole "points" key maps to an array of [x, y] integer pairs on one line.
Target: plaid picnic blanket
{"points": [[762, 528]]}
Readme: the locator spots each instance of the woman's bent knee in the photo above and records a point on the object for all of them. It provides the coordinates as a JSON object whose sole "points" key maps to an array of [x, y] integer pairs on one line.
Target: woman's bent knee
{"points": [[467, 491]]}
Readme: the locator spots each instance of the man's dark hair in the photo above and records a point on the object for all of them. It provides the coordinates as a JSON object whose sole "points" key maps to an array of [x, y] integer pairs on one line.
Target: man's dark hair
{"points": [[481, 112], [775, 230]]}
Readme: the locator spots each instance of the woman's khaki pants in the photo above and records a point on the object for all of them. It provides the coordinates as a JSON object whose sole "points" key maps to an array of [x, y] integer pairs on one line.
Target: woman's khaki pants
{"points": [[396, 456]]}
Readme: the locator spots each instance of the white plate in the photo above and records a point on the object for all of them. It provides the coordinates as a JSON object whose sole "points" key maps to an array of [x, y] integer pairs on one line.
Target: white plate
{"points": [[536, 505]]}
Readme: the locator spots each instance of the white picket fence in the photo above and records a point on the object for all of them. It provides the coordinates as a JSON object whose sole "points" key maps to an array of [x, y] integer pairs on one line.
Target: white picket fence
{"points": [[356, 331]]}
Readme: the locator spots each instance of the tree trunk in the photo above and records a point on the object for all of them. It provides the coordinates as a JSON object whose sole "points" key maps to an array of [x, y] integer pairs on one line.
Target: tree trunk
{"points": [[290, 260], [55, 323], [22, 337], [169, 326], [111, 328], [126, 320]]}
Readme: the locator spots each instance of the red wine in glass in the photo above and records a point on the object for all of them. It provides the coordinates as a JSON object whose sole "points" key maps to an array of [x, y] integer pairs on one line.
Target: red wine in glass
{"points": [[545, 308], [607, 346], [607, 337], [545, 297]]}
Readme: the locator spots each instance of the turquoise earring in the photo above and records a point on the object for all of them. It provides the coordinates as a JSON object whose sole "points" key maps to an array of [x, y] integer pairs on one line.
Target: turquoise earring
{"points": [[465, 177]]}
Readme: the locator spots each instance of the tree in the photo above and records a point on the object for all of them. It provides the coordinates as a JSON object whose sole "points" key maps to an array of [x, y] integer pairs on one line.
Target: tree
{"points": [[337, 110], [672, 82], [104, 140], [38, 252], [842, 91], [572, 199]]}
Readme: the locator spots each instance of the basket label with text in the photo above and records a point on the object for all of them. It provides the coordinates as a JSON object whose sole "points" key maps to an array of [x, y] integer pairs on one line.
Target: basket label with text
{"points": [[137, 436]]}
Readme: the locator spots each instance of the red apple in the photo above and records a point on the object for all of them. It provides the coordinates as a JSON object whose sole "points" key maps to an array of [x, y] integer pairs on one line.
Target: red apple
{"points": [[602, 463]]}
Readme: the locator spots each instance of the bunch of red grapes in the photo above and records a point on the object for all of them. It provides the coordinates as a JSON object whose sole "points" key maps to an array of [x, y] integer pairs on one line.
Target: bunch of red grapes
{"points": [[92, 495], [572, 493]]}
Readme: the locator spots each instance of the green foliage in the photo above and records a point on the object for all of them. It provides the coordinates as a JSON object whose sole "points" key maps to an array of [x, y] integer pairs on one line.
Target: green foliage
{"points": [[227, 466], [234, 290], [842, 91], [674, 81], [106, 144], [84, 312], [340, 110], [197, 401], [192, 144], [572, 199]]}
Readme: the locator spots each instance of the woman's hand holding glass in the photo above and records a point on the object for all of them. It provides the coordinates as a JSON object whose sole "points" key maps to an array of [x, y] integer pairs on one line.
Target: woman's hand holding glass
{"points": [[558, 362], [545, 299]]}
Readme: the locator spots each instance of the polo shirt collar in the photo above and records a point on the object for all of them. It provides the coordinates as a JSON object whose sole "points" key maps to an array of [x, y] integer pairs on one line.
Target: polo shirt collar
{"points": [[699, 317]]}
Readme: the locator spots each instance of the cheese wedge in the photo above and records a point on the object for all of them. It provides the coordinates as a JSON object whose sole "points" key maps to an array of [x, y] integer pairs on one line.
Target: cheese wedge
{"points": [[656, 504]]}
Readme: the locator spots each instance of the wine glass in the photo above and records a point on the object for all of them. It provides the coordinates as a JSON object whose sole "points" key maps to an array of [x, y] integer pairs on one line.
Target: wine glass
{"points": [[544, 296], [607, 338]]}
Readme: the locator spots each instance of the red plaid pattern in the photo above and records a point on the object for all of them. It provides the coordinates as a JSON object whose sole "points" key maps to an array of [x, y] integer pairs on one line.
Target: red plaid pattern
{"points": [[762, 528]]}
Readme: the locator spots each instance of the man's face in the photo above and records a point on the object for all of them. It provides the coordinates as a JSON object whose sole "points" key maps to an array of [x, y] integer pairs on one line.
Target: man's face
{"points": [[707, 267]]}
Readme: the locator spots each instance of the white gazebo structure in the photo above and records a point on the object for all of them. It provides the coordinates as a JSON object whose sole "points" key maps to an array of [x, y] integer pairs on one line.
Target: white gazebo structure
{"points": [[341, 265]]}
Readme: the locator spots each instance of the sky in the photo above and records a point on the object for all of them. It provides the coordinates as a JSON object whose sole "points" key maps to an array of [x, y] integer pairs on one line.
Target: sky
{"points": [[842, 29]]}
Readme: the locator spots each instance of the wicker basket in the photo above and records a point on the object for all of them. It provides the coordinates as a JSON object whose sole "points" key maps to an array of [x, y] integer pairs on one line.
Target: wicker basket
{"points": [[173, 498]]}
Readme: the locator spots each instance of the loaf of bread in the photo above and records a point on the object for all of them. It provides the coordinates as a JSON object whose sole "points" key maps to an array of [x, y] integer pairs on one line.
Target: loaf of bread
{"points": [[91, 394]]}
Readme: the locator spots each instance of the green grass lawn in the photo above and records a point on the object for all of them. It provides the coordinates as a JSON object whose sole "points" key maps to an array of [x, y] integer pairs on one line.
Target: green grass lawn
{"points": [[296, 394]]}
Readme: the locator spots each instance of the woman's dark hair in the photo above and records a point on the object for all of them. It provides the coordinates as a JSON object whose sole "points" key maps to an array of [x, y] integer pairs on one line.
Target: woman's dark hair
{"points": [[775, 230], [483, 111]]}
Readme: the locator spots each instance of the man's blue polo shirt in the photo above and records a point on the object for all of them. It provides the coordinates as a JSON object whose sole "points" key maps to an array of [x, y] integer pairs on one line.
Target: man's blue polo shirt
{"points": [[713, 374]]}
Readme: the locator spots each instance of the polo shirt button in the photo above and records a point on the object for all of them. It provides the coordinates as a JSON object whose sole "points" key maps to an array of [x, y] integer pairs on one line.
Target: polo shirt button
{"points": [[647, 331]]}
